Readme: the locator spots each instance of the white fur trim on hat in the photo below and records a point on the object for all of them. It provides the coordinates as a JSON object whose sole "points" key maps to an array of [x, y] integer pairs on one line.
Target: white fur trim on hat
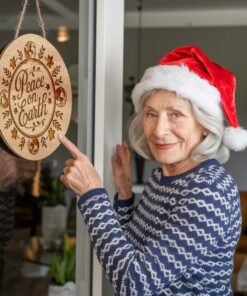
{"points": [[235, 138], [184, 82]]}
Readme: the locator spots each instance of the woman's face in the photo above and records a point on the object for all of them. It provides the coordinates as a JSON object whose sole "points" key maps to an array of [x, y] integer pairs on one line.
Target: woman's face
{"points": [[171, 131]]}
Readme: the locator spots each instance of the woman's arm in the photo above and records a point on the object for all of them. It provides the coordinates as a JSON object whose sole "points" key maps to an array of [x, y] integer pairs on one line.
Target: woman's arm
{"points": [[121, 165], [124, 210], [190, 232], [124, 199]]}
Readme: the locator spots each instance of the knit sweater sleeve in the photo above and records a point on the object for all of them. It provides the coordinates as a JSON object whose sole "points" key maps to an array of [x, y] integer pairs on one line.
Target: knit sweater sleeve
{"points": [[124, 210], [192, 229]]}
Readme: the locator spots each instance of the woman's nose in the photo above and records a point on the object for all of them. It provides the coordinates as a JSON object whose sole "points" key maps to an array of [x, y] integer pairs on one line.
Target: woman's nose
{"points": [[162, 127]]}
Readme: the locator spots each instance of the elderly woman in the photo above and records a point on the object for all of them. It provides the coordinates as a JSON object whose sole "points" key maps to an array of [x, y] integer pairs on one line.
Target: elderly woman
{"points": [[181, 236]]}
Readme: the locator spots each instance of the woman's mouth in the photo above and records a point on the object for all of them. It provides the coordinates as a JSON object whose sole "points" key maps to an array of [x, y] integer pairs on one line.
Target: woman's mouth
{"points": [[164, 146]]}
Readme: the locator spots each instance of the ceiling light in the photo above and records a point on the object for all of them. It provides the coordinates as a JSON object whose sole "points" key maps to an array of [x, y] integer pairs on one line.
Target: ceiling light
{"points": [[62, 34]]}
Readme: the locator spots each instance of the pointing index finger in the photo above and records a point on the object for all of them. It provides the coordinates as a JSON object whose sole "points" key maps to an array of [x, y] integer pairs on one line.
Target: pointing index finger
{"points": [[71, 147]]}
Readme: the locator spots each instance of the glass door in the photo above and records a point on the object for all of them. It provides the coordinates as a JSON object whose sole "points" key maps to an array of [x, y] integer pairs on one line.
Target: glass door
{"points": [[86, 105], [24, 258]]}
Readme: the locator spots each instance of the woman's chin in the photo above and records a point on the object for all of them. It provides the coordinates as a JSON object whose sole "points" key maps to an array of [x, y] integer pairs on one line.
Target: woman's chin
{"points": [[167, 159], [167, 155]]}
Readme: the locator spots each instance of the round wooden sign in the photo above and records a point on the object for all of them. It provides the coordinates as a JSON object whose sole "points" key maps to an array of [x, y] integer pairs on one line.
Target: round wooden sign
{"points": [[35, 97]]}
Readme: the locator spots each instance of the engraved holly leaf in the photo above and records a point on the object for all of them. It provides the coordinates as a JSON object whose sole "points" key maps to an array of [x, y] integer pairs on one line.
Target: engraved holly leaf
{"points": [[12, 63], [7, 72], [35, 125], [57, 125], [56, 71], [5, 114], [5, 82], [51, 133], [59, 114], [43, 142], [4, 101], [14, 133], [35, 69], [21, 145], [8, 123], [41, 52], [59, 81], [20, 54]]}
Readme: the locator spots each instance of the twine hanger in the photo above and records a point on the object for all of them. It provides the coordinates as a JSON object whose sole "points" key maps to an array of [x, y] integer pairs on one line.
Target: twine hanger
{"points": [[38, 11]]}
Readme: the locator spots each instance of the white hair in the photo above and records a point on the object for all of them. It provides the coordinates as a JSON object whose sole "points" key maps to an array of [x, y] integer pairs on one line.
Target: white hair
{"points": [[211, 147]]}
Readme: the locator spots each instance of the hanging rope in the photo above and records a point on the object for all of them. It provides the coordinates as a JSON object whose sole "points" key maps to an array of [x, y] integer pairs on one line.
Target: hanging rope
{"points": [[41, 21], [17, 30], [38, 11]]}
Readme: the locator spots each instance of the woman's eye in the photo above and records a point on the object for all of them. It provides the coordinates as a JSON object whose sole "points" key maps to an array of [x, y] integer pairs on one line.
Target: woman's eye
{"points": [[150, 114], [176, 114]]}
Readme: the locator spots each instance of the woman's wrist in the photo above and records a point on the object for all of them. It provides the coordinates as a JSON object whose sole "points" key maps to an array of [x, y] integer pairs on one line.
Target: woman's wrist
{"points": [[124, 195]]}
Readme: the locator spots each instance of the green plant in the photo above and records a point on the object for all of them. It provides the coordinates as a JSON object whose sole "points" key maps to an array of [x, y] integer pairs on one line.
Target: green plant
{"points": [[62, 267], [55, 194]]}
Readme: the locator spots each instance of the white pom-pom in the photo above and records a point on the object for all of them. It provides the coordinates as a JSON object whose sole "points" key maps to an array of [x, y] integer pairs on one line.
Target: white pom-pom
{"points": [[235, 138]]}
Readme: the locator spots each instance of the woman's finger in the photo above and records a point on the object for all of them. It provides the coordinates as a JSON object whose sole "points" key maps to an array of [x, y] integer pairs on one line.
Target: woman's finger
{"points": [[124, 156], [69, 162], [63, 179], [73, 184], [71, 147], [66, 170], [127, 150], [123, 151], [70, 177], [116, 165], [115, 159]]}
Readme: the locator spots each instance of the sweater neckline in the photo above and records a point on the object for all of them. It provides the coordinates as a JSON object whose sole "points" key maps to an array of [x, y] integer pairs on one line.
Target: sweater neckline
{"points": [[203, 164]]}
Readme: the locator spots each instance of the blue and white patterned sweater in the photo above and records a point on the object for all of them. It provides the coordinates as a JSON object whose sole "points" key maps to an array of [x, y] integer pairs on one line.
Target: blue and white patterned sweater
{"points": [[179, 239]]}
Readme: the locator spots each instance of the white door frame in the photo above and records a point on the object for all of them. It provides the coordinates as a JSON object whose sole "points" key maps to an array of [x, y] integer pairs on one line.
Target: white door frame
{"points": [[108, 100], [85, 134]]}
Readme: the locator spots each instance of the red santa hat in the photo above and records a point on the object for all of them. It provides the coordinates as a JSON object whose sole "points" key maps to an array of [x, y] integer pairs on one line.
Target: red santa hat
{"points": [[191, 74]]}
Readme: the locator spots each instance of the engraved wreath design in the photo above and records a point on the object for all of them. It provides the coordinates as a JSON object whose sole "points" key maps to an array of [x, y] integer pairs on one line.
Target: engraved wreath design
{"points": [[33, 143]]}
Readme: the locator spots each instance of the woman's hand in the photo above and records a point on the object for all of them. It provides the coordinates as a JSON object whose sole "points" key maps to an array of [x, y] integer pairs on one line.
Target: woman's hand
{"points": [[79, 174], [121, 164]]}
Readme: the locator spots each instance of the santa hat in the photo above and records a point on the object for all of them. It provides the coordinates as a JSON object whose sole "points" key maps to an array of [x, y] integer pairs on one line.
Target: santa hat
{"points": [[191, 74]]}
